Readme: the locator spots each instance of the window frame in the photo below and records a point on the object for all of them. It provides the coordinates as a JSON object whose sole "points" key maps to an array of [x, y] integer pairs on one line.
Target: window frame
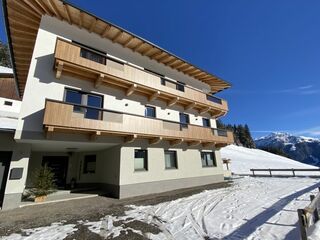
{"points": [[154, 109], [175, 159], [86, 161], [213, 156], [145, 160]]}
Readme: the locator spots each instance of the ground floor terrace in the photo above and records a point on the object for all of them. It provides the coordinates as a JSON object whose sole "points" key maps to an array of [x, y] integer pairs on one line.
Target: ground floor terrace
{"points": [[109, 167]]}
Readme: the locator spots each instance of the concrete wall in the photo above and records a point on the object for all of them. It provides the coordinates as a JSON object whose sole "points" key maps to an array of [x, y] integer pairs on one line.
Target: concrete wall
{"points": [[20, 159], [188, 161]]}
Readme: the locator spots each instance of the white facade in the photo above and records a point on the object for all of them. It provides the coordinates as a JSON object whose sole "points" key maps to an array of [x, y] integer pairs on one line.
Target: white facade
{"points": [[114, 164]]}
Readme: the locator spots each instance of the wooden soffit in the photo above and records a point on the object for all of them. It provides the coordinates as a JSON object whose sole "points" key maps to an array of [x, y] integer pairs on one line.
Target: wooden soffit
{"points": [[23, 19]]}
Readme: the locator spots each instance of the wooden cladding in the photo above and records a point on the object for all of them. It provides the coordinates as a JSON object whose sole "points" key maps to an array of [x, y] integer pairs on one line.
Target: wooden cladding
{"points": [[23, 20], [68, 61], [60, 116], [8, 89]]}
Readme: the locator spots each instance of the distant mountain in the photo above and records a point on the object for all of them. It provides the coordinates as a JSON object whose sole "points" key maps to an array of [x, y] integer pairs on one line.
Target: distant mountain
{"points": [[302, 149]]}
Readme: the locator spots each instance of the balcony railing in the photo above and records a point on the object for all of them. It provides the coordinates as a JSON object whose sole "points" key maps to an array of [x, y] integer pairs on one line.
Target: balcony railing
{"points": [[77, 61], [79, 118]]}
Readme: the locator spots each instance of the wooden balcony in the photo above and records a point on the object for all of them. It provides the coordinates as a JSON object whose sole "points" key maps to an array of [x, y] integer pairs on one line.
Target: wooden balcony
{"points": [[132, 79], [66, 117]]}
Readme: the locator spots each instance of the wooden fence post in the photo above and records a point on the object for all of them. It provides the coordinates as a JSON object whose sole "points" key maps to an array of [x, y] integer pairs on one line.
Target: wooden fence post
{"points": [[302, 224]]}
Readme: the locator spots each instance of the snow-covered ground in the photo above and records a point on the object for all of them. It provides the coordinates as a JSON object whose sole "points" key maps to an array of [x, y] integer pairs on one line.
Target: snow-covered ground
{"points": [[243, 159], [252, 208]]}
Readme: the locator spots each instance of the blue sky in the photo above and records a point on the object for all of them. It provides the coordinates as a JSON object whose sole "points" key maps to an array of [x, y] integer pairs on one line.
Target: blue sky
{"points": [[268, 49]]}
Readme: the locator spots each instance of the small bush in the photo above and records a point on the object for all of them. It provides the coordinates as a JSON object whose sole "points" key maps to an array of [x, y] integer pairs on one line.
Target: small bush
{"points": [[43, 182]]}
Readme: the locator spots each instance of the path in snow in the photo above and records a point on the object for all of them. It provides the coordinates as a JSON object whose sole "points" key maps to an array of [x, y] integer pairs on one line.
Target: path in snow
{"points": [[252, 208]]}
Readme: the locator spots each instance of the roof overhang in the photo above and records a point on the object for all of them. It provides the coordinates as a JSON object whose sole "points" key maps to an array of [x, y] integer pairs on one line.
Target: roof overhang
{"points": [[23, 18]]}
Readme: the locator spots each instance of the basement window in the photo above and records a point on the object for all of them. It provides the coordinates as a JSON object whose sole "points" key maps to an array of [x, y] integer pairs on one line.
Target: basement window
{"points": [[8, 103], [170, 159], [140, 160]]}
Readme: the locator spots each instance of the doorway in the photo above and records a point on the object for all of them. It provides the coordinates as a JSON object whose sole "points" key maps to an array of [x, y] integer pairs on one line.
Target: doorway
{"points": [[59, 167], [5, 158]]}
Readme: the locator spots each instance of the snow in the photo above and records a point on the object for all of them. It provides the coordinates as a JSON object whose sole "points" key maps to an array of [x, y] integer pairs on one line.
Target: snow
{"points": [[315, 232], [243, 159], [8, 123], [56, 231], [5, 70]]}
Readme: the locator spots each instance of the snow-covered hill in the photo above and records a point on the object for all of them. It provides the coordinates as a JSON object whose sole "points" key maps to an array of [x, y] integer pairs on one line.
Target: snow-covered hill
{"points": [[243, 159], [302, 149]]}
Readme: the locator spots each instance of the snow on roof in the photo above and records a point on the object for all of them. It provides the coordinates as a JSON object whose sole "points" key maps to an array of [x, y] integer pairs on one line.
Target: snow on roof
{"points": [[5, 70]]}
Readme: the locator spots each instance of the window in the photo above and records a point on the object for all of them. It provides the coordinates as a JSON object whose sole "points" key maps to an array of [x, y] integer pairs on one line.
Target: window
{"points": [[8, 103], [208, 159], [184, 120], [93, 56], [89, 165], [170, 158], [140, 160], [206, 122], [214, 99], [180, 86], [150, 112], [85, 99]]}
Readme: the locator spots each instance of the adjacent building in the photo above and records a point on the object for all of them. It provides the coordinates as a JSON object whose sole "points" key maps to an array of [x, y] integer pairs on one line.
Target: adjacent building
{"points": [[105, 108]]}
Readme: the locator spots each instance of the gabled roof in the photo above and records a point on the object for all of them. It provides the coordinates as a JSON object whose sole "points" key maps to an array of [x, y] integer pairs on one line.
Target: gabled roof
{"points": [[23, 17]]}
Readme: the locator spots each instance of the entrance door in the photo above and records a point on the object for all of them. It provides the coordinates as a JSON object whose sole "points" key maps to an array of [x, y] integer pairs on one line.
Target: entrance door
{"points": [[59, 167], [5, 158]]}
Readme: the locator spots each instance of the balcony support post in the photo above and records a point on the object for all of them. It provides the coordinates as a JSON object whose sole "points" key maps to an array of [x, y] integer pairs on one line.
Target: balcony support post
{"points": [[155, 140], [49, 132], [190, 106], [173, 101], [204, 110], [131, 138], [99, 80], [94, 135], [176, 142], [131, 90], [59, 69], [154, 96]]}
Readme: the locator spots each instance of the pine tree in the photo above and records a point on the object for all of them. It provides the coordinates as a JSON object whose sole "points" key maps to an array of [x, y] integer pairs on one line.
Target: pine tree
{"points": [[4, 55]]}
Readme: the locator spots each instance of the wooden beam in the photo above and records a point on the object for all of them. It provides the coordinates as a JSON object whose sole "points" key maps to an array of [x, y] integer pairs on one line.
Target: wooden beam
{"points": [[138, 46], [184, 65], [49, 132], [173, 101], [130, 138], [177, 64], [163, 58], [175, 142], [190, 106], [156, 54], [36, 9], [106, 30], [131, 89], [99, 80], [194, 143], [44, 7], [204, 110], [154, 96], [93, 25], [127, 43], [172, 62], [66, 11], [26, 9], [94, 136], [147, 50], [59, 69], [117, 36], [208, 144], [55, 9], [186, 68], [155, 140]]}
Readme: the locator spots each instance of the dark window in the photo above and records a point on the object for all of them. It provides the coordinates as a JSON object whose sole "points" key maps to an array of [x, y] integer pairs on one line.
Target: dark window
{"points": [[89, 165], [93, 56], [184, 120], [86, 99], [150, 112], [214, 99], [180, 86], [7, 103], [206, 122], [208, 159], [140, 160], [170, 158]]}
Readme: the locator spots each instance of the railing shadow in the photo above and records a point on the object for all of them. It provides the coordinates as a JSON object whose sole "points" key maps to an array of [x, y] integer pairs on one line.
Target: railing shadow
{"points": [[253, 224]]}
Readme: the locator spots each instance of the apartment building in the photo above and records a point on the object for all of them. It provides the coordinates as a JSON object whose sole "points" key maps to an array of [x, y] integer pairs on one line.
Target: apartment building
{"points": [[105, 108]]}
